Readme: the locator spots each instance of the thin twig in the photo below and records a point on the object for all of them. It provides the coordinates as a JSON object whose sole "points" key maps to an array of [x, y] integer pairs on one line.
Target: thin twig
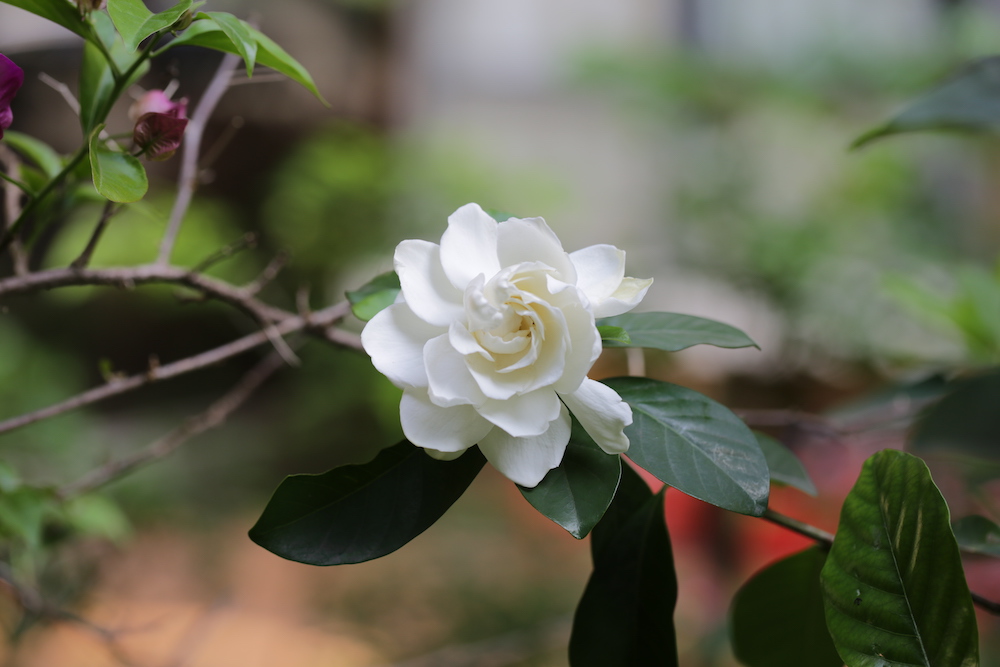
{"points": [[188, 178], [83, 260], [321, 321], [214, 416], [796, 526], [63, 90], [12, 208], [269, 273], [248, 240]]}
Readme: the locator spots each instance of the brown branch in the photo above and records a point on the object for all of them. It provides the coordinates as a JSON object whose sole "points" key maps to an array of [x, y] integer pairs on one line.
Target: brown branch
{"points": [[83, 260], [12, 208], [248, 240], [321, 321], [188, 178], [214, 416]]}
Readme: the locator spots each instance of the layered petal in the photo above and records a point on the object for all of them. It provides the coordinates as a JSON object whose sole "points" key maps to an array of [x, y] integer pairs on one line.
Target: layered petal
{"points": [[424, 284], [602, 413], [527, 460], [395, 340], [531, 240], [524, 415], [469, 246], [599, 269], [625, 298], [449, 380], [452, 429]]}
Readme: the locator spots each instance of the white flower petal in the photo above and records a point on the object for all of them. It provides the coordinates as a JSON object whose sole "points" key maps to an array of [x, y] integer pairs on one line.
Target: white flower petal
{"points": [[524, 415], [599, 270], [602, 413], [443, 456], [395, 340], [526, 460], [625, 298], [425, 286], [449, 381], [469, 245], [453, 429], [531, 240], [584, 350]]}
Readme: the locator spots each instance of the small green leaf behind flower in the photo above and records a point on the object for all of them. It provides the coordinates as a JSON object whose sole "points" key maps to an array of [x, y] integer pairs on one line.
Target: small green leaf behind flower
{"points": [[379, 293], [672, 331], [614, 335], [784, 466]]}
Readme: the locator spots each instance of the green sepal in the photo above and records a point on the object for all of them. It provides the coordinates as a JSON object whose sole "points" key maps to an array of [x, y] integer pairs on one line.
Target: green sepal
{"points": [[357, 513], [672, 331], [893, 585]]}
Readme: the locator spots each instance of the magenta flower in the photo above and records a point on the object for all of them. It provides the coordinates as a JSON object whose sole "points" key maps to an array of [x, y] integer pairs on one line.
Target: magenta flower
{"points": [[159, 124], [11, 79]]}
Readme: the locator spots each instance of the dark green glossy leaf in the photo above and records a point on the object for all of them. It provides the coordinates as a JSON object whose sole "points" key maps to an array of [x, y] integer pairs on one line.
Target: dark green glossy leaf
{"points": [[673, 331], [237, 32], [37, 151], [966, 421], [970, 100], [135, 22], [208, 34], [893, 585], [379, 293], [117, 176], [784, 466], [357, 513], [625, 617], [695, 445], [777, 617], [61, 13], [577, 493], [977, 534], [616, 335]]}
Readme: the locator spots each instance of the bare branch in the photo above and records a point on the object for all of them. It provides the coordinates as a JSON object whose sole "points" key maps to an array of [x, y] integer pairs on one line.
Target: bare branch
{"points": [[63, 90], [248, 240], [214, 416], [269, 273], [83, 260], [188, 179], [321, 321], [12, 208]]}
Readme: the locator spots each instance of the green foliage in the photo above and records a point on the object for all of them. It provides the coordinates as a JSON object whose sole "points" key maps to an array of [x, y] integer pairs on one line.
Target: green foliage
{"points": [[611, 335], [965, 421], [694, 444], [97, 86], [978, 535], [380, 292], [577, 493], [360, 512], [39, 152], [135, 22], [117, 175], [236, 30], [672, 331], [61, 13], [777, 620], [625, 616], [784, 466], [893, 584]]}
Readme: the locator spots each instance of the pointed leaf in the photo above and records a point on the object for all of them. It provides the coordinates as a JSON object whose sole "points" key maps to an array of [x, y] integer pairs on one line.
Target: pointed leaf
{"points": [[610, 334], [673, 331], [135, 22], [965, 421], [784, 466], [209, 35], [577, 493], [969, 100], [893, 585], [625, 617], [61, 13], [695, 445], [777, 617], [117, 176], [978, 535], [357, 513], [37, 151], [238, 33], [379, 293]]}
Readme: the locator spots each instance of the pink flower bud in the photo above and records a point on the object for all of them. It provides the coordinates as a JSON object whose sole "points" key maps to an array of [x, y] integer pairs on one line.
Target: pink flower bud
{"points": [[156, 101], [159, 135], [11, 79]]}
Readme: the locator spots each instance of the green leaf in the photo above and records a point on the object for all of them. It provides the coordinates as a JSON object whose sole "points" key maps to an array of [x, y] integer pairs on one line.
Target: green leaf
{"points": [[59, 12], [237, 32], [209, 35], [357, 513], [611, 334], [969, 100], [695, 445], [97, 86], [777, 617], [893, 585], [117, 176], [625, 617], [135, 22], [37, 151], [577, 493], [673, 331], [784, 466], [23, 512], [965, 421], [377, 294], [978, 535], [97, 515]]}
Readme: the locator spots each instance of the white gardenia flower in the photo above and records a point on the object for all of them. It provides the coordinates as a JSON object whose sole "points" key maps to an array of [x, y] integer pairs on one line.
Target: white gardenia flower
{"points": [[492, 338]]}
